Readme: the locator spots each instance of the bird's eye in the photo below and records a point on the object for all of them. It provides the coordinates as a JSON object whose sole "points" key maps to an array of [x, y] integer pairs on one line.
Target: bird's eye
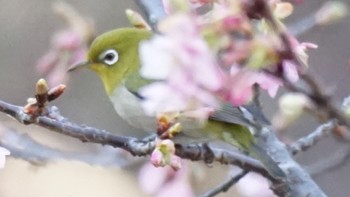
{"points": [[109, 57]]}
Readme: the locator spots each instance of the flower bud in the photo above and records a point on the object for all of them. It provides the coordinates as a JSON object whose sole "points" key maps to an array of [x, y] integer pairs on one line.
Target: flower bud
{"points": [[136, 19], [331, 12], [41, 87]]}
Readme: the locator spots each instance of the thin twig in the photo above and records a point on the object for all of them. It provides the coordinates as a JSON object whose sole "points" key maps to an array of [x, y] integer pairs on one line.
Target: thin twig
{"points": [[310, 140], [323, 100], [225, 186]]}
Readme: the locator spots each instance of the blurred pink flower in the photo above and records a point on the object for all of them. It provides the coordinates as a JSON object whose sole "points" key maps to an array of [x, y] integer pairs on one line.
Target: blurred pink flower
{"points": [[66, 40], [253, 185], [242, 81], [165, 182], [161, 97], [181, 57], [202, 61], [301, 48], [3, 153], [156, 158], [290, 71], [268, 83], [67, 48]]}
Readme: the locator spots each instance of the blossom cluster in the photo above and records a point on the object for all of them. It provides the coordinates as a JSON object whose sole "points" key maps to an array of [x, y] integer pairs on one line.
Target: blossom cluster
{"points": [[207, 56], [68, 46]]}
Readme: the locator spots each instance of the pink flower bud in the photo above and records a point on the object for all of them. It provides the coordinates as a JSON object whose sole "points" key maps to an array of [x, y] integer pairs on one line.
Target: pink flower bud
{"points": [[157, 158]]}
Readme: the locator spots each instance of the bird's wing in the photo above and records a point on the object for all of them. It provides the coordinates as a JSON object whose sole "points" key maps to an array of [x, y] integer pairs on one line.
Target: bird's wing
{"points": [[226, 113], [229, 114], [234, 115]]}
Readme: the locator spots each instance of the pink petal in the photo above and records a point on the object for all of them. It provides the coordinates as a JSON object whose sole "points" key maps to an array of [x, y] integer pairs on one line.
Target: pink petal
{"points": [[242, 97], [175, 162], [253, 185], [309, 45], [178, 185], [66, 40], [290, 71], [156, 59], [151, 178], [161, 98], [157, 158], [47, 62], [241, 87], [177, 188], [269, 83]]}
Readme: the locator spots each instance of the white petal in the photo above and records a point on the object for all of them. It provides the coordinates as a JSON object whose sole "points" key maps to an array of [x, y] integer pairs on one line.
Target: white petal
{"points": [[156, 61], [161, 98], [4, 151]]}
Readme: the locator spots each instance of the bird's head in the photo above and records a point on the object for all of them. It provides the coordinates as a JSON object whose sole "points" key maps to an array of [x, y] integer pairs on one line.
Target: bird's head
{"points": [[114, 55]]}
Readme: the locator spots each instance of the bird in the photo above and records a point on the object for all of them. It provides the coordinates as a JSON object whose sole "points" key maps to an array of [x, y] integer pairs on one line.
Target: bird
{"points": [[114, 57]]}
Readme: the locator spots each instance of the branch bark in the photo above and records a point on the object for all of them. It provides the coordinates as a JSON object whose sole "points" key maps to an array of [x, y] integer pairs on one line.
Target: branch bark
{"points": [[297, 181], [153, 9], [195, 152], [23, 146], [225, 185], [310, 140]]}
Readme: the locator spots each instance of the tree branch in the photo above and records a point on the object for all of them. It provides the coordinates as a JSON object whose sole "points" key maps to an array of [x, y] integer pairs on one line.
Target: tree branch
{"points": [[296, 182], [225, 185], [23, 146], [55, 122], [153, 9], [308, 141]]}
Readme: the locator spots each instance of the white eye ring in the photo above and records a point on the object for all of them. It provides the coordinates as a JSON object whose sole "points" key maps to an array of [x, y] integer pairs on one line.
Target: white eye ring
{"points": [[109, 57]]}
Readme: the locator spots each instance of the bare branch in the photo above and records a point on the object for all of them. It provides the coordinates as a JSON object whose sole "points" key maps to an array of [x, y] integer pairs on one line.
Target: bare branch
{"points": [[22, 146], [310, 140], [55, 122], [296, 182], [225, 185], [153, 9], [198, 152]]}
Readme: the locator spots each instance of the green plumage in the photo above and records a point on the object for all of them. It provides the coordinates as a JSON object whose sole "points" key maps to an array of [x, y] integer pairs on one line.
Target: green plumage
{"points": [[126, 42], [122, 80]]}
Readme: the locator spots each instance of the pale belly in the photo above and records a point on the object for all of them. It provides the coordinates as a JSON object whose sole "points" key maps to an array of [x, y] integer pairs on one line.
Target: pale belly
{"points": [[129, 108]]}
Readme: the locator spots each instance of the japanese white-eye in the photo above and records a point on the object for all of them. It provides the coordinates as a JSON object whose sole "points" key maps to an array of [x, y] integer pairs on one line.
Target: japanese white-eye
{"points": [[114, 57]]}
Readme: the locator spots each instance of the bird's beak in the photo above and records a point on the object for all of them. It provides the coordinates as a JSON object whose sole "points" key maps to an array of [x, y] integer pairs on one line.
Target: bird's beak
{"points": [[78, 66]]}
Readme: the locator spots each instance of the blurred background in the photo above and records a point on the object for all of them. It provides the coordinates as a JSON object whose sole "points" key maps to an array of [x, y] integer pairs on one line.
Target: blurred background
{"points": [[26, 28]]}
